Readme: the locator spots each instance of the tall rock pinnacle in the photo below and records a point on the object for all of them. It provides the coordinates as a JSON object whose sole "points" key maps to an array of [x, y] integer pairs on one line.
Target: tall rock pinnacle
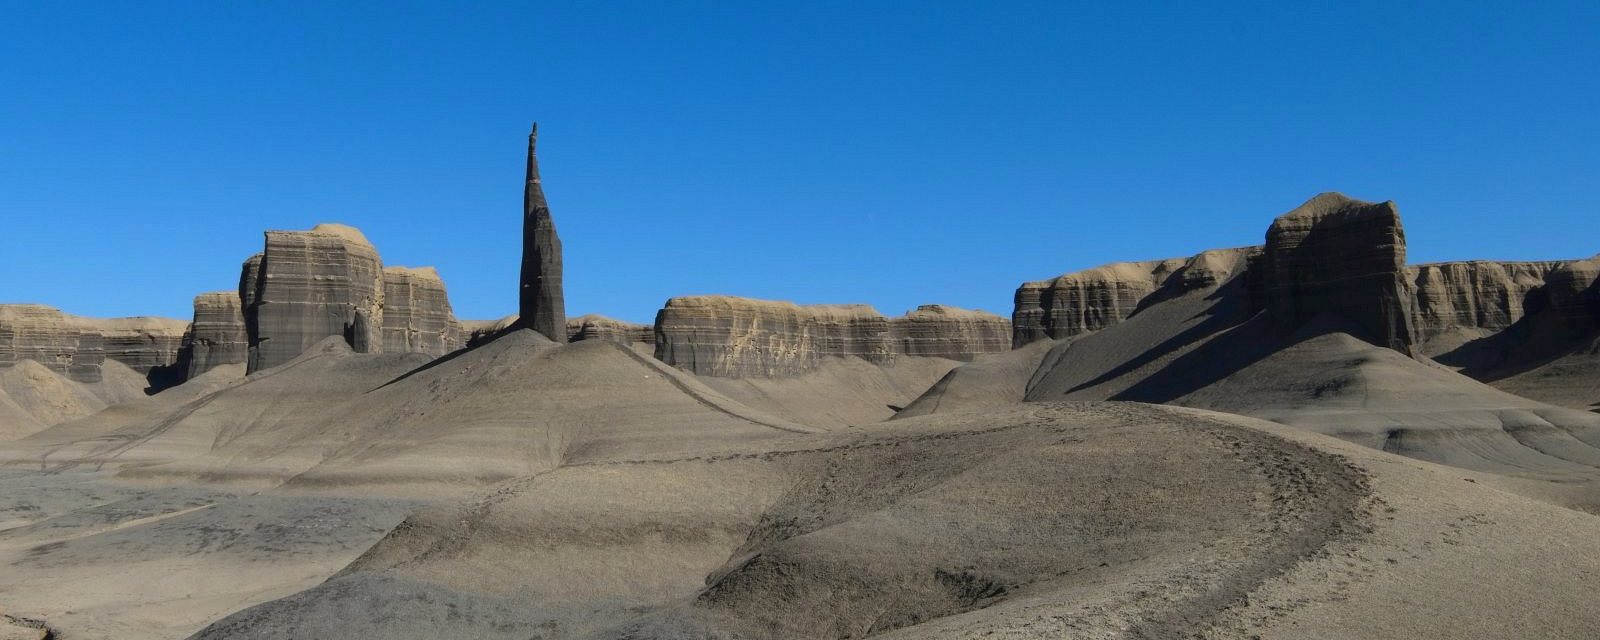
{"points": [[542, 304]]}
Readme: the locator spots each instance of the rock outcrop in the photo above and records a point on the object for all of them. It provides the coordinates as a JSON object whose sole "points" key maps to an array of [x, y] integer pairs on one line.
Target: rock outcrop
{"points": [[1084, 301], [309, 285], [416, 313], [60, 342], [938, 331], [726, 336], [1574, 295], [541, 301], [597, 327], [77, 347], [142, 343], [1478, 294], [217, 336], [1336, 255]]}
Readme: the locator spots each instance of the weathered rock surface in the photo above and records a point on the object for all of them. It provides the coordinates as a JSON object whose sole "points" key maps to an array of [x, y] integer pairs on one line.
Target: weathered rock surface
{"points": [[416, 313], [142, 343], [939, 331], [733, 337], [541, 301], [1336, 255], [740, 337], [597, 327], [60, 342], [217, 335], [77, 347], [1084, 301], [1574, 294], [310, 285], [1479, 293]]}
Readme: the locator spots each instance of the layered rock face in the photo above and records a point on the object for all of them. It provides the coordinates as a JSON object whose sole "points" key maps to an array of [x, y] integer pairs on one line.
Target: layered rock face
{"points": [[217, 336], [541, 301], [939, 331], [416, 313], [51, 338], [309, 285], [739, 337], [1476, 294], [141, 343], [78, 347], [1342, 256], [1084, 301], [596, 327], [1574, 295]]}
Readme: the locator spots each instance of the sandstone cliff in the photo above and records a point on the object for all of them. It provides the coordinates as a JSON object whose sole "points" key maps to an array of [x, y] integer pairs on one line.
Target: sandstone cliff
{"points": [[77, 347], [217, 335], [416, 313], [60, 342], [142, 343], [1084, 301], [1340, 256], [310, 285], [1476, 295], [739, 337], [597, 327], [938, 331]]}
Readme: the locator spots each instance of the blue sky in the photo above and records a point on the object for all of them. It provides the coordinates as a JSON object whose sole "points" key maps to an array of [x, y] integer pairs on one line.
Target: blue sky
{"points": [[887, 153]]}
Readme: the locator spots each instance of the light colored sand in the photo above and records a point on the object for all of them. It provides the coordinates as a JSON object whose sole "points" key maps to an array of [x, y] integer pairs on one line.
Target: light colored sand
{"points": [[842, 392]]}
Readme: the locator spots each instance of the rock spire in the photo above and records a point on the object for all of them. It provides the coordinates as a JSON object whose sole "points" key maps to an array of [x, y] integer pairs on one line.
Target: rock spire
{"points": [[541, 303]]}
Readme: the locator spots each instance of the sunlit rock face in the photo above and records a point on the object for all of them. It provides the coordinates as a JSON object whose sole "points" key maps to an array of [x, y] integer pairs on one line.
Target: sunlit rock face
{"points": [[77, 347], [217, 335], [416, 313], [1479, 294], [309, 285], [1083, 301], [597, 327], [939, 331], [740, 337]]}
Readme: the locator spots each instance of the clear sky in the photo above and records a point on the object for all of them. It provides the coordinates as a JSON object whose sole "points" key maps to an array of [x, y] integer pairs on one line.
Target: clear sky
{"points": [[887, 153]]}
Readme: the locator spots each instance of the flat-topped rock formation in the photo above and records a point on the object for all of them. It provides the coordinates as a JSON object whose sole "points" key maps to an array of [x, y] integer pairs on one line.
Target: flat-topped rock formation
{"points": [[541, 301], [1084, 301], [598, 327], [734, 337], [1477, 294], [1338, 255], [60, 342], [310, 285], [416, 313], [938, 331], [728, 336], [142, 343], [216, 336], [76, 346]]}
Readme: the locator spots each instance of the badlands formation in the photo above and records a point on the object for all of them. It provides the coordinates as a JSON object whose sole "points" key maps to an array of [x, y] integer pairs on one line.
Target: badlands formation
{"points": [[1306, 438]]}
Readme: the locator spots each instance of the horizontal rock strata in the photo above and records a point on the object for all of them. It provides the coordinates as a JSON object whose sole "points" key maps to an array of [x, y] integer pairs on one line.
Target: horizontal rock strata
{"points": [[310, 285], [217, 335], [416, 313], [77, 347], [1477, 294], [939, 331], [49, 337], [1337, 255], [142, 343], [740, 337], [597, 327], [1084, 301]]}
